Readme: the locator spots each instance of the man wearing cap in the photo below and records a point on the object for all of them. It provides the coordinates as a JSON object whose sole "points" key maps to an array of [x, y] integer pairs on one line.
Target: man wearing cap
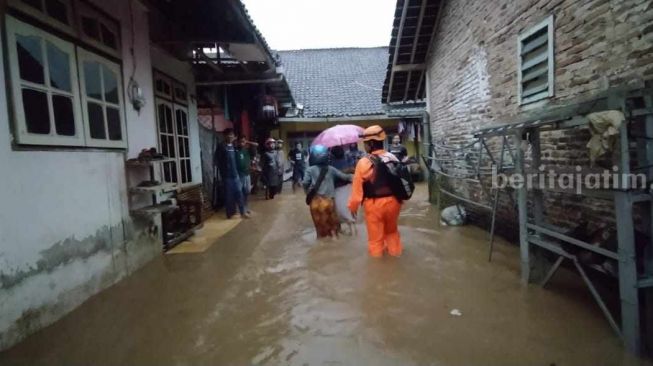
{"points": [[270, 167], [371, 189]]}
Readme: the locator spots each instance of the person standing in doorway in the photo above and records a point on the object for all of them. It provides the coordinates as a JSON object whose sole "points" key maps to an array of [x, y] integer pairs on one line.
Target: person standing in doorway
{"points": [[371, 188], [270, 167], [225, 155], [244, 162], [398, 150], [319, 185], [297, 158]]}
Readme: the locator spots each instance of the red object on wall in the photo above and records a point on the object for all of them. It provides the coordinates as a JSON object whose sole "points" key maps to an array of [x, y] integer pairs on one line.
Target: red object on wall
{"points": [[244, 124], [213, 119]]}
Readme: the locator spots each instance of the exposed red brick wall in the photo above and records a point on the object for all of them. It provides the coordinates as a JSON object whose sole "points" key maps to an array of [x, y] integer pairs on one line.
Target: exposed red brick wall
{"points": [[473, 71]]}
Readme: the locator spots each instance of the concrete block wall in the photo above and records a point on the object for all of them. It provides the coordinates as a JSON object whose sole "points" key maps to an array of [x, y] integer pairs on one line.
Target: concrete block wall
{"points": [[473, 70]]}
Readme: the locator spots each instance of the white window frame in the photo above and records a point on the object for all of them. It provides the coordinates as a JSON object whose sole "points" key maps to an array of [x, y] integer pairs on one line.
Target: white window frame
{"points": [[82, 56], [549, 24], [13, 27], [84, 9], [182, 159], [178, 85], [45, 17], [160, 135], [178, 159], [158, 76]]}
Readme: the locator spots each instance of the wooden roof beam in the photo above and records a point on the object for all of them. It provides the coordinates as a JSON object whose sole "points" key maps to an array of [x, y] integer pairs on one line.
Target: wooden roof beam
{"points": [[409, 67], [396, 53], [209, 61], [428, 50], [415, 39]]}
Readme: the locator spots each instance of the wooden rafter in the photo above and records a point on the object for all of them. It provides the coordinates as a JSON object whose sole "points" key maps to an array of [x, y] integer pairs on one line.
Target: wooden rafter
{"points": [[420, 19], [396, 51], [428, 49]]}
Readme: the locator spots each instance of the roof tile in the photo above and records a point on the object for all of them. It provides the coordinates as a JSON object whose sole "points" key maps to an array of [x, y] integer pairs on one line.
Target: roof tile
{"points": [[337, 82]]}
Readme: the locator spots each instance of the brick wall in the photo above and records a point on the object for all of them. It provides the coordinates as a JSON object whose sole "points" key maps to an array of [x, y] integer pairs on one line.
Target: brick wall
{"points": [[473, 72]]}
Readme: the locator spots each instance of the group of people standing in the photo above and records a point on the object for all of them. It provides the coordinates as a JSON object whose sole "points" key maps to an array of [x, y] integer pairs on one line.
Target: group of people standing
{"points": [[327, 170], [242, 170], [234, 161]]}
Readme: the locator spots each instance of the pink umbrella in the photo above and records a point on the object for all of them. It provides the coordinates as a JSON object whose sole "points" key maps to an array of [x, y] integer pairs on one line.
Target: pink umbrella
{"points": [[339, 135]]}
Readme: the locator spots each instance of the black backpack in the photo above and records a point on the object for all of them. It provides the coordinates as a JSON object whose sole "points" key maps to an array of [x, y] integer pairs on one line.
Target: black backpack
{"points": [[399, 177]]}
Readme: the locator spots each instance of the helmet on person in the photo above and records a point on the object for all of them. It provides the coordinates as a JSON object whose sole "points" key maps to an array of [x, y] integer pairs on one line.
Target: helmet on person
{"points": [[374, 133], [319, 155], [270, 140]]}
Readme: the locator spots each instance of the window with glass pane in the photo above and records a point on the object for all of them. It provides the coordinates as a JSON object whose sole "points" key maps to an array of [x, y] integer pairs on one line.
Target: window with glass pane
{"points": [[167, 140], [36, 4], [102, 98], [98, 29], [183, 143], [58, 10], [163, 86], [180, 93], [56, 13], [44, 87], [174, 141]]}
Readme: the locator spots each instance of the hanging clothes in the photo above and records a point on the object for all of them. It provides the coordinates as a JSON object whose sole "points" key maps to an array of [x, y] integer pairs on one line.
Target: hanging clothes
{"points": [[412, 127], [268, 109], [401, 128]]}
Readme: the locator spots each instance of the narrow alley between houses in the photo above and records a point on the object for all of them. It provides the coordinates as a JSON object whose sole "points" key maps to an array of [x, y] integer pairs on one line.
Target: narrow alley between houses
{"points": [[270, 293], [319, 183]]}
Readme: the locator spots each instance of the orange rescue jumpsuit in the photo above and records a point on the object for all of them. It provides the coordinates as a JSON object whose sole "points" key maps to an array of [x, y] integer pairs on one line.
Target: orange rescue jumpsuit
{"points": [[381, 214]]}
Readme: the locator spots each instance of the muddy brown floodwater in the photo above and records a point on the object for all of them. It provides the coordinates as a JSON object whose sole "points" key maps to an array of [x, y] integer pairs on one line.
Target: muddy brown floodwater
{"points": [[269, 293]]}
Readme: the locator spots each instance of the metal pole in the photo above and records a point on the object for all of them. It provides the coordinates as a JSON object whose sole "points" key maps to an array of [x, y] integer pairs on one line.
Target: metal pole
{"points": [[627, 272], [628, 291], [495, 201], [538, 196], [522, 196], [598, 298]]}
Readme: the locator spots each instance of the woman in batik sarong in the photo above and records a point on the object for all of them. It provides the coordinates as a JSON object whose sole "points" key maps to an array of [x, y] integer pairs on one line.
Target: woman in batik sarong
{"points": [[319, 184]]}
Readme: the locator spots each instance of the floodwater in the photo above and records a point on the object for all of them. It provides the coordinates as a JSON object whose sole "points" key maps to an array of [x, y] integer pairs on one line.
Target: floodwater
{"points": [[269, 293]]}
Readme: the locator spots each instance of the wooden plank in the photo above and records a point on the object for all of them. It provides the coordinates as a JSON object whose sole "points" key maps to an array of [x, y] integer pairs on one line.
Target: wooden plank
{"points": [[409, 67], [535, 43], [534, 61], [532, 90], [535, 73], [154, 209]]}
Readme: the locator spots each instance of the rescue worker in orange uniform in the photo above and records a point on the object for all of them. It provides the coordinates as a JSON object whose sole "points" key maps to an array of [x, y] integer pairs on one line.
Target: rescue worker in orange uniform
{"points": [[373, 191]]}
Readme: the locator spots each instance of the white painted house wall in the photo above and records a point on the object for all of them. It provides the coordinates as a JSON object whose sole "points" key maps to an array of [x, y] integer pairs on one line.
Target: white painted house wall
{"points": [[65, 228]]}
